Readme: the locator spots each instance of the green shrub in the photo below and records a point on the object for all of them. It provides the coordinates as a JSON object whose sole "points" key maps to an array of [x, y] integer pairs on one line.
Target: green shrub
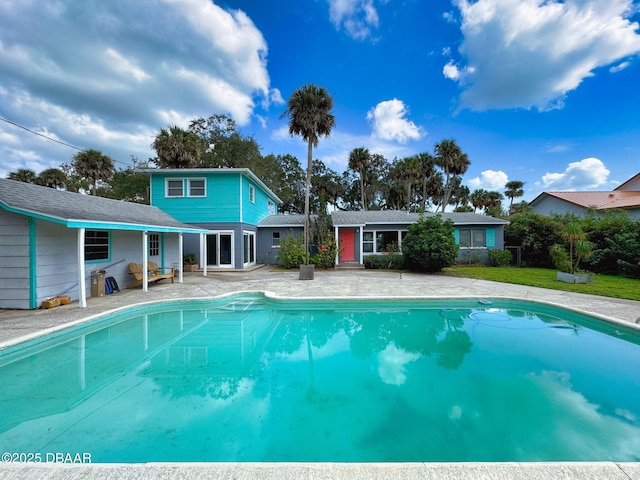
{"points": [[430, 245], [373, 262], [291, 253], [500, 258], [327, 252]]}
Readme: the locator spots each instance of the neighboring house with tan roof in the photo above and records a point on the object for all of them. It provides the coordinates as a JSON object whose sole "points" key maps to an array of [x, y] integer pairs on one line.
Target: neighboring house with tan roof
{"points": [[625, 197]]}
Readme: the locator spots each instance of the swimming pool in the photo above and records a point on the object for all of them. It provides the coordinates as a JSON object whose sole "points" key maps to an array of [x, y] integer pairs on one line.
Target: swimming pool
{"points": [[248, 378]]}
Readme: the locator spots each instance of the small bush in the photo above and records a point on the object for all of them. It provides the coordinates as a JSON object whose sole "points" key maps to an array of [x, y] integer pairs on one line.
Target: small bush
{"points": [[500, 258], [381, 262], [327, 252], [291, 252]]}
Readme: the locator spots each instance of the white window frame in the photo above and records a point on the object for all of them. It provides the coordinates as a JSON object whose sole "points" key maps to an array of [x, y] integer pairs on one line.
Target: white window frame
{"points": [[167, 188], [252, 194], [154, 244], [471, 237], [252, 252], [190, 188]]}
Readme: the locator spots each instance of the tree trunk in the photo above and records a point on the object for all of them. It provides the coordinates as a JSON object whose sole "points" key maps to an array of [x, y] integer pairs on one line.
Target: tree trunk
{"points": [[306, 201]]}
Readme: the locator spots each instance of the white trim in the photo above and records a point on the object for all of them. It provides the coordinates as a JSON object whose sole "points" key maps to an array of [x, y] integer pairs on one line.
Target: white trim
{"points": [[82, 288], [216, 258]]}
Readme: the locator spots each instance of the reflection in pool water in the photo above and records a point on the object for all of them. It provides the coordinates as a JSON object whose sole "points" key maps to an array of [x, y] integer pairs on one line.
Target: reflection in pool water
{"points": [[251, 379]]}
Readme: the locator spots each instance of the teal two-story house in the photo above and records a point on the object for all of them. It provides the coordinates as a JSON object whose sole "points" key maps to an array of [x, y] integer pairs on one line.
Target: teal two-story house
{"points": [[228, 202]]}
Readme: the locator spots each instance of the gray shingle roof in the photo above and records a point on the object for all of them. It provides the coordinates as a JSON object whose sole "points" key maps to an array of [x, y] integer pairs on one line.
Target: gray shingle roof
{"points": [[77, 210], [400, 217], [282, 221]]}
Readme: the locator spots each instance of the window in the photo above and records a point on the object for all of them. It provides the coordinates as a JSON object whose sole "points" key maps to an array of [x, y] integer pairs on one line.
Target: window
{"points": [[275, 239], [196, 187], [367, 242], [249, 247], [384, 239], [473, 238], [271, 208], [154, 244], [175, 187], [252, 194], [96, 245]]}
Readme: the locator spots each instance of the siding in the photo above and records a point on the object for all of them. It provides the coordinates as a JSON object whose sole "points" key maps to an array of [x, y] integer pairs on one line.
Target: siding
{"points": [[253, 212], [14, 260], [221, 203]]}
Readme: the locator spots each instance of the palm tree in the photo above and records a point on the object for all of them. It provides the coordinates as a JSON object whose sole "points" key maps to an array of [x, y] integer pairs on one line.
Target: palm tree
{"points": [[93, 165], [478, 198], [359, 162], [178, 148], [309, 113], [428, 164], [25, 175], [453, 162], [513, 189], [407, 172], [52, 178]]}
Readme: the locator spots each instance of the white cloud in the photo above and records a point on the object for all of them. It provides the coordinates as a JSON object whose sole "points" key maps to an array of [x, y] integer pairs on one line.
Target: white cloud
{"points": [[489, 180], [619, 67], [587, 174], [531, 53], [118, 71], [392, 363], [389, 123], [357, 17]]}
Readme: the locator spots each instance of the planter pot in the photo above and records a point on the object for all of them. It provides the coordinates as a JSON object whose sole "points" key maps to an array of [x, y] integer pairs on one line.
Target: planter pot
{"points": [[190, 268], [574, 278], [306, 272]]}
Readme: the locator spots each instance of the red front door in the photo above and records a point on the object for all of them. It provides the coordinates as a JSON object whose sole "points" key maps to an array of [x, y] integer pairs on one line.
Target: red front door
{"points": [[348, 245]]}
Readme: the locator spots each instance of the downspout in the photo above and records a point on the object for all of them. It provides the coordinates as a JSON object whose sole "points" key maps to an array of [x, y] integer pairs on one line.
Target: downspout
{"points": [[33, 264]]}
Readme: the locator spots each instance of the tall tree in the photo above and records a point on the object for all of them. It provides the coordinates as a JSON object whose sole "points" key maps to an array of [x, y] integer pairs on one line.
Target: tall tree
{"points": [[513, 189], [284, 175], [453, 162], [428, 164], [408, 173], [225, 145], [25, 175], [359, 162], [178, 148], [309, 112], [52, 178], [478, 198], [94, 166]]}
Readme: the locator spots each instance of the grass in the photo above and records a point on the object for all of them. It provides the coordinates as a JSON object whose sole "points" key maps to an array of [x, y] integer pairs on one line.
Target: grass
{"points": [[604, 285]]}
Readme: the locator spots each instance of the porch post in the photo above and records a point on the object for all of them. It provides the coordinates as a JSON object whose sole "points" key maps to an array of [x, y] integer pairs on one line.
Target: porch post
{"points": [[205, 261], [361, 242], [145, 266], [338, 244], [82, 288], [180, 254]]}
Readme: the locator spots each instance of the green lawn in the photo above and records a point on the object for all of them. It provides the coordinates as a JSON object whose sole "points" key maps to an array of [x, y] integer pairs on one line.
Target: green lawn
{"points": [[605, 285]]}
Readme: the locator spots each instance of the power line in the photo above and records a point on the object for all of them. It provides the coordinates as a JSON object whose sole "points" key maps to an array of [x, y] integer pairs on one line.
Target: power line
{"points": [[41, 135], [52, 139]]}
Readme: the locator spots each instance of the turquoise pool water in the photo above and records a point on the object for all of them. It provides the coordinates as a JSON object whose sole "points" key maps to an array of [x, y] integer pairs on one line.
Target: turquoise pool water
{"points": [[247, 378]]}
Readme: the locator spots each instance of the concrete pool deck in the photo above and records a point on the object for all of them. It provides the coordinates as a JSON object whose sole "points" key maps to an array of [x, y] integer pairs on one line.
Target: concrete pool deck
{"points": [[16, 325]]}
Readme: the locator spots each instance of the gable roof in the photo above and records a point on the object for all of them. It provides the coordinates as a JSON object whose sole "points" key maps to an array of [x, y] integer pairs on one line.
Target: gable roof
{"points": [[213, 171], [598, 200], [630, 185], [76, 210]]}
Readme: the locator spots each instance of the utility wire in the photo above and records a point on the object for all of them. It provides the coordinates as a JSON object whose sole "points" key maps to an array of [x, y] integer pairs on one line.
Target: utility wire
{"points": [[52, 139], [40, 134]]}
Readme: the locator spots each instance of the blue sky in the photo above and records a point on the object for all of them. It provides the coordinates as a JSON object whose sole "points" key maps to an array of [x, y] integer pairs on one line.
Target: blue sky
{"points": [[535, 90]]}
